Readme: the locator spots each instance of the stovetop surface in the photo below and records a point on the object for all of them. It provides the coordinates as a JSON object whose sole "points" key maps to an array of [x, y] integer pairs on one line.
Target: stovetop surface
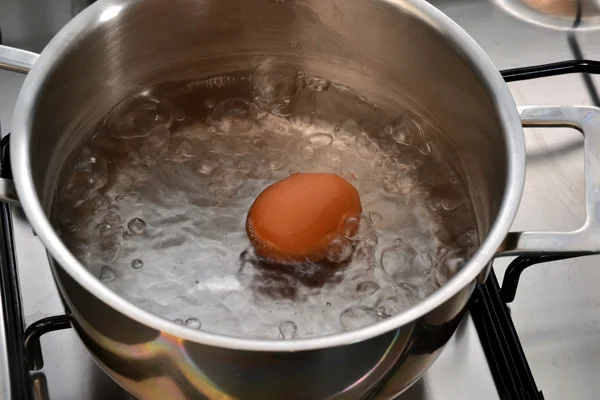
{"points": [[557, 307]]}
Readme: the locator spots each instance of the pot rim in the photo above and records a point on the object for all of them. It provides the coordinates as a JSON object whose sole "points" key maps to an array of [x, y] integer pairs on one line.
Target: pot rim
{"points": [[27, 103]]}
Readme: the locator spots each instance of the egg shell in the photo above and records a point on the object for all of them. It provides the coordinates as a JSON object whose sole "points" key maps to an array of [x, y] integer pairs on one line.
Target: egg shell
{"points": [[294, 219]]}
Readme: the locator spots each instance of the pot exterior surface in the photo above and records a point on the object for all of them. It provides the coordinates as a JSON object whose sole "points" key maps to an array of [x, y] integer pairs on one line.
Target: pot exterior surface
{"points": [[391, 51], [151, 364]]}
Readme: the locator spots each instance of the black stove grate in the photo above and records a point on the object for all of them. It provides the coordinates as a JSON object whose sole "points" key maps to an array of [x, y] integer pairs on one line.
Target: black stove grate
{"points": [[20, 386], [491, 315], [501, 345]]}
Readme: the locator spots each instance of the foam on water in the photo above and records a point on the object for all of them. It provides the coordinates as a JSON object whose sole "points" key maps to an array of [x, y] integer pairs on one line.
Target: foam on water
{"points": [[156, 200]]}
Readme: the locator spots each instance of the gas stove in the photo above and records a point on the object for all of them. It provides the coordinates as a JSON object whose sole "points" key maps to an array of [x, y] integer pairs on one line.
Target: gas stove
{"points": [[533, 336]]}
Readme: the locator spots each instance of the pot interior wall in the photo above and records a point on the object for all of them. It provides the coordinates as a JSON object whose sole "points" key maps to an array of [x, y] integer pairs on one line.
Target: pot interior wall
{"points": [[383, 50]]}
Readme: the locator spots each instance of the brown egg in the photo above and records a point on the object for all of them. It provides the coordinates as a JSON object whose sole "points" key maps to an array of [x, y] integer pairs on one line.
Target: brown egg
{"points": [[302, 217]]}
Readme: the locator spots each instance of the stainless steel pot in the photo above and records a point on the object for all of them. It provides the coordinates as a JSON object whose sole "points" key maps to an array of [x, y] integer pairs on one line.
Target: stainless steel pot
{"points": [[383, 49]]}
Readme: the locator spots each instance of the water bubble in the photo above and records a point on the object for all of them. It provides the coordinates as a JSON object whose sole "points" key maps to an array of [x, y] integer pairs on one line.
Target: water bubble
{"points": [[259, 143], [99, 202], [209, 103], [119, 198], [347, 129], [377, 162], [178, 321], [424, 261], [434, 203], [413, 126], [318, 84], [218, 143], [119, 230], [179, 115], [226, 160], [388, 306], [390, 185], [231, 180], [276, 160], [328, 304], [321, 140], [232, 116], [281, 109], [425, 148], [241, 149], [105, 230], [308, 152], [136, 226], [302, 106], [126, 235], [138, 117], [401, 137], [404, 130], [112, 218], [350, 173], [451, 204], [406, 183], [306, 121], [143, 173], [365, 254], [193, 323], [71, 228], [110, 253], [245, 166], [149, 153], [334, 157], [447, 268], [397, 261], [300, 80], [206, 167], [152, 94], [366, 235], [375, 218], [410, 293], [273, 82], [183, 152], [137, 264], [468, 239], [107, 275], [357, 317], [158, 138], [339, 249], [134, 158], [246, 274], [262, 171], [365, 147], [287, 330], [367, 288], [351, 226], [89, 175]]}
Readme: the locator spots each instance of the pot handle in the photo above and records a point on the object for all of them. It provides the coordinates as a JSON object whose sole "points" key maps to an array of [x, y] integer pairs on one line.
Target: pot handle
{"points": [[16, 60], [21, 61], [585, 240]]}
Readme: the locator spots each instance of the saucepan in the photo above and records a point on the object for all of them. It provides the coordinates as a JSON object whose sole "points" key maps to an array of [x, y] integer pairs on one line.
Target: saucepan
{"points": [[383, 49]]}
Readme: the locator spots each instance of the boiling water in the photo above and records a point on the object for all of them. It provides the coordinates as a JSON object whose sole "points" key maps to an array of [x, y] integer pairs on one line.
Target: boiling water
{"points": [[154, 204]]}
